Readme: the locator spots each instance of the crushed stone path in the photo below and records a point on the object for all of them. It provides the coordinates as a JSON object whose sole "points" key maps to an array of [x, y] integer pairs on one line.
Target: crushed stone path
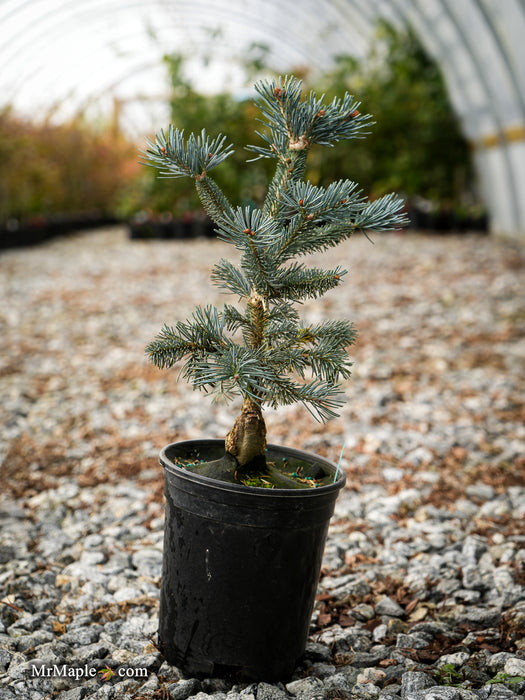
{"points": [[422, 593]]}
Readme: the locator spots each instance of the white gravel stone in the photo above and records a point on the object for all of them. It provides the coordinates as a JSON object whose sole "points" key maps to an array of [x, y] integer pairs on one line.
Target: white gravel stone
{"points": [[387, 606], [430, 516], [127, 593], [515, 667]]}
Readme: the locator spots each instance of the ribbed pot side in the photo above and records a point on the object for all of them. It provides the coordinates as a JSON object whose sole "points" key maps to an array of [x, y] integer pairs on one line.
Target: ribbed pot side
{"points": [[240, 567]]}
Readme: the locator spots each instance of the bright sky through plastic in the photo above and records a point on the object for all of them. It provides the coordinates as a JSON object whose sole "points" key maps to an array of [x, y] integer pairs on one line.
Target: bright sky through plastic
{"points": [[69, 54]]}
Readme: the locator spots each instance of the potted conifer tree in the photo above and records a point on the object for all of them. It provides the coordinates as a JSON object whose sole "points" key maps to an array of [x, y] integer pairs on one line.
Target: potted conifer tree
{"points": [[246, 521]]}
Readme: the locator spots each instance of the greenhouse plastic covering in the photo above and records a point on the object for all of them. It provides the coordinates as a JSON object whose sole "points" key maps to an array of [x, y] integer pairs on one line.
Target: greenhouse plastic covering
{"points": [[69, 55]]}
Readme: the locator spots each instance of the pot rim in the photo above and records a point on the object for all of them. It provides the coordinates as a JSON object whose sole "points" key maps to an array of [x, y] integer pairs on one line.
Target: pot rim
{"points": [[167, 464]]}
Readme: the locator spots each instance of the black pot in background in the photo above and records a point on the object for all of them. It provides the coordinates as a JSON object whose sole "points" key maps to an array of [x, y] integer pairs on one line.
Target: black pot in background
{"points": [[166, 227], [240, 567], [16, 233]]}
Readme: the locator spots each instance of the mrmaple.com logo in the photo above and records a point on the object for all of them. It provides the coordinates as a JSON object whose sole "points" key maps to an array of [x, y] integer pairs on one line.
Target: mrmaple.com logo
{"points": [[78, 672]]}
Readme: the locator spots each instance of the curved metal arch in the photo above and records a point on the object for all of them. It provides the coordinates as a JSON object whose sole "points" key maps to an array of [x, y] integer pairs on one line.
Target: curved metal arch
{"points": [[341, 15], [474, 27], [432, 41], [193, 44], [289, 49], [366, 13], [293, 52], [487, 93], [345, 14], [38, 30], [497, 168], [36, 33], [515, 70], [499, 121], [83, 12], [512, 145]]}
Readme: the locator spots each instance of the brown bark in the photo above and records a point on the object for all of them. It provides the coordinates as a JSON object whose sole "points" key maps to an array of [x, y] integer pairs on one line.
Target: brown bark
{"points": [[246, 441]]}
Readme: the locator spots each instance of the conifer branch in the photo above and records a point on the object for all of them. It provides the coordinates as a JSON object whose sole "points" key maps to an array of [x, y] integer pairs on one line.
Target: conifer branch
{"points": [[264, 352], [338, 202], [329, 361], [383, 214], [246, 226], [298, 282], [282, 323], [213, 200], [321, 399], [323, 348], [307, 208], [193, 157], [307, 121], [235, 320], [180, 157], [305, 238], [225, 275], [235, 371], [291, 169], [202, 334], [249, 230]]}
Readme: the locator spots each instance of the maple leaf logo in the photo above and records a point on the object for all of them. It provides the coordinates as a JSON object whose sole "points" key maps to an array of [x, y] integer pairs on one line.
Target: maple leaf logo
{"points": [[106, 673]]}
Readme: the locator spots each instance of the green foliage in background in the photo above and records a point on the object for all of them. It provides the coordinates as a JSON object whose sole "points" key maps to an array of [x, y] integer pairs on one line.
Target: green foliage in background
{"points": [[50, 169], [190, 112], [416, 146]]}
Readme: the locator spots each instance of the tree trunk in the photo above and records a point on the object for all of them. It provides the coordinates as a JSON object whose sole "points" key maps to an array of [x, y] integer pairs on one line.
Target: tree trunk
{"points": [[246, 441], [244, 461]]}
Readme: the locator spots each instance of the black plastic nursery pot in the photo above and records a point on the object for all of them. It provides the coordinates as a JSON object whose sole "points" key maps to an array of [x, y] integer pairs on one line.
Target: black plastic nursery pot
{"points": [[240, 566]]}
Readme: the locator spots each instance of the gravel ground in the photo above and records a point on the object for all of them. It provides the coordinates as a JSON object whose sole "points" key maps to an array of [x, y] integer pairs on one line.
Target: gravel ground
{"points": [[422, 594]]}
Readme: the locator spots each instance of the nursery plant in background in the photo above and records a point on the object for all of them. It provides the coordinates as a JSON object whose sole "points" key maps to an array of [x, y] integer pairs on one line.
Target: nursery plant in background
{"points": [[418, 148], [232, 115], [246, 521], [48, 171]]}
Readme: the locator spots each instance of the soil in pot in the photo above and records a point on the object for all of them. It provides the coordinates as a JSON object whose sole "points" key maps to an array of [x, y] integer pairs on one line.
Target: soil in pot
{"points": [[272, 471], [269, 473]]}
